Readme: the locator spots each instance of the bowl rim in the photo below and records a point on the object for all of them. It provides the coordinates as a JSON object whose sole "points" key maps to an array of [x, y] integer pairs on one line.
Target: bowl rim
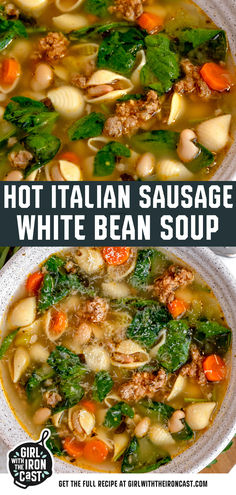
{"points": [[196, 457]]}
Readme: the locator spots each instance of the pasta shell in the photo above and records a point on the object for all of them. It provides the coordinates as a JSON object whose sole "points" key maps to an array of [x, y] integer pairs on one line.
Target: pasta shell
{"points": [[121, 441], [56, 418], [111, 399], [89, 260], [81, 422], [214, 133], [69, 22], [63, 171], [39, 353], [47, 327], [121, 271], [198, 415], [97, 358], [161, 341], [161, 437], [141, 61], [68, 5], [21, 361], [34, 7], [115, 290], [177, 108], [86, 50], [103, 434], [178, 387], [172, 170], [96, 143], [134, 351], [104, 77], [23, 313], [68, 101], [29, 334]]}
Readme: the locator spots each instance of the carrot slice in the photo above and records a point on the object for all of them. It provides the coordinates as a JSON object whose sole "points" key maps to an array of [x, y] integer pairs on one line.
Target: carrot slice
{"points": [[150, 22], [116, 255], [214, 368], [216, 77], [10, 71], [70, 156], [73, 447], [89, 405], [34, 282], [96, 451], [177, 307], [58, 322]]}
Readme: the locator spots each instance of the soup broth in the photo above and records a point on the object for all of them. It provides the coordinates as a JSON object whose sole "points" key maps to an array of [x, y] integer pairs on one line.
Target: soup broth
{"points": [[128, 90], [123, 353]]}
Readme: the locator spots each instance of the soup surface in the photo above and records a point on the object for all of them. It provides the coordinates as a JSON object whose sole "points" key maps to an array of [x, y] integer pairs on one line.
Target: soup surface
{"points": [[123, 353], [119, 90]]}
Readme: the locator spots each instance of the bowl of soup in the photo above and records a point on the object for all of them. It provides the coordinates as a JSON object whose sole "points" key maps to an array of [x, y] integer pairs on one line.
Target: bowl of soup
{"points": [[125, 354], [117, 91]]}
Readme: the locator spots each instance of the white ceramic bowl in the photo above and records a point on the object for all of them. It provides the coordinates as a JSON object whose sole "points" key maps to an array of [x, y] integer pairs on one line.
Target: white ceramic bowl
{"points": [[224, 286]]}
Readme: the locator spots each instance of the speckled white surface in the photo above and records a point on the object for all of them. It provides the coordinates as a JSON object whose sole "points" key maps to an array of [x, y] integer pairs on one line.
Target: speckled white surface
{"points": [[223, 284]]}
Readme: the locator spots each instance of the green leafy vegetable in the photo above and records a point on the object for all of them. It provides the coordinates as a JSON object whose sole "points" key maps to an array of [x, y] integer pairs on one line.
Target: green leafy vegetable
{"points": [[96, 30], [54, 442], [7, 341], [203, 160], [144, 266], [185, 434], [72, 393], [135, 302], [175, 351], [202, 45], [57, 284], [115, 414], [89, 126], [162, 67], [105, 159], [157, 411], [137, 96], [147, 324], [118, 50], [97, 7], [29, 115], [9, 30], [66, 363], [36, 379], [212, 337], [103, 384], [135, 462], [44, 147], [157, 142]]}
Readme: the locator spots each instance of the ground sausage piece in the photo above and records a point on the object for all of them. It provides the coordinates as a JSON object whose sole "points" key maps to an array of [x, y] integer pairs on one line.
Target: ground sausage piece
{"points": [[142, 384], [95, 310], [53, 47], [195, 368], [173, 278], [20, 159], [52, 398], [79, 80], [132, 114], [128, 9], [193, 82]]}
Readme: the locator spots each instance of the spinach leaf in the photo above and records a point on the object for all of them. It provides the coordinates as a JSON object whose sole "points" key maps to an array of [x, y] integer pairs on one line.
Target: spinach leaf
{"points": [[9, 30], [57, 284], [147, 324], [144, 266], [97, 7], [118, 50], [7, 341], [211, 337], [137, 96], [89, 126], [202, 45], [65, 363], [44, 147], [157, 142], [175, 351], [135, 302], [162, 67], [185, 434], [36, 379], [91, 32], [29, 115], [105, 159], [54, 443], [71, 391], [103, 384], [203, 160], [157, 411], [133, 461], [115, 414]]}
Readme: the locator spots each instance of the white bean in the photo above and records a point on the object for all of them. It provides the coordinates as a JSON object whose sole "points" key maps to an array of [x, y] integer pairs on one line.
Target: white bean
{"points": [[142, 427], [186, 149], [145, 165], [41, 415], [175, 424], [96, 91], [14, 175], [42, 78]]}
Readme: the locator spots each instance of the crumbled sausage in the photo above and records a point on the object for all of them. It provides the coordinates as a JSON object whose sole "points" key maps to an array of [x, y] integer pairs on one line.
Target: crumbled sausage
{"points": [[52, 398], [142, 384], [173, 278], [131, 115], [20, 159], [70, 267], [95, 310], [193, 82], [194, 369], [11, 11], [53, 47], [79, 80], [128, 9], [127, 177]]}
